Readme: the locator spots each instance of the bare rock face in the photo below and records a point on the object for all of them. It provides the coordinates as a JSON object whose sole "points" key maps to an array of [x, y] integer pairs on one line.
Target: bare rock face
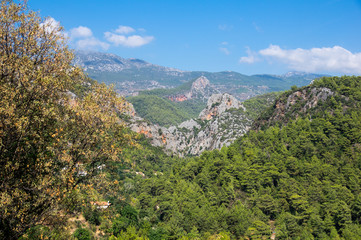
{"points": [[306, 100], [190, 124], [218, 104], [200, 84], [296, 104], [200, 89], [128, 109]]}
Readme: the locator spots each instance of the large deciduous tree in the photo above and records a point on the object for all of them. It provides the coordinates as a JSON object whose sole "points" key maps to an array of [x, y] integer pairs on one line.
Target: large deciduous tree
{"points": [[50, 139]]}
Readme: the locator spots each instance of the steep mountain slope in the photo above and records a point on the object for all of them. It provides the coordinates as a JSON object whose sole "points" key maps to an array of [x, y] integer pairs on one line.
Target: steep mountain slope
{"points": [[128, 75], [158, 110], [133, 75], [220, 123]]}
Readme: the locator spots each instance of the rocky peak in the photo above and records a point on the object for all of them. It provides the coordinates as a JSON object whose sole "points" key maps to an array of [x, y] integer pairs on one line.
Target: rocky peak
{"points": [[196, 135], [219, 103], [200, 83], [200, 89]]}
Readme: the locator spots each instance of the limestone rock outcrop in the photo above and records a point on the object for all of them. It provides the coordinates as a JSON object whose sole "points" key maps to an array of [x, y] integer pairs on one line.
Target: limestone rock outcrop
{"points": [[218, 104]]}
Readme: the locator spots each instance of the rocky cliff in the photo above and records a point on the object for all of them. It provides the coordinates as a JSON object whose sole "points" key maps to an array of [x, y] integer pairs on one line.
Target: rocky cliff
{"points": [[293, 104], [200, 89], [218, 104]]}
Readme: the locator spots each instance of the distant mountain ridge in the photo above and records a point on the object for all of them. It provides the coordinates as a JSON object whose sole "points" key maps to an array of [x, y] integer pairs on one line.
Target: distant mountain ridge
{"points": [[133, 75], [108, 62]]}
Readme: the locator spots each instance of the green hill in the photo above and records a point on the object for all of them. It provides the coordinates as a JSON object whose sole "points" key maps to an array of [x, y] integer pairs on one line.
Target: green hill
{"points": [[154, 105], [161, 111]]}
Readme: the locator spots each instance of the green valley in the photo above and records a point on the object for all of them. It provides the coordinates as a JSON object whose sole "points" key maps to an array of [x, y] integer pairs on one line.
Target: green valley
{"points": [[162, 111]]}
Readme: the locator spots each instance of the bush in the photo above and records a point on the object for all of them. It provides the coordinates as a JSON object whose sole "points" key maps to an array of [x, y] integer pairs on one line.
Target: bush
{"points": [[83, 234], [92, 216]]}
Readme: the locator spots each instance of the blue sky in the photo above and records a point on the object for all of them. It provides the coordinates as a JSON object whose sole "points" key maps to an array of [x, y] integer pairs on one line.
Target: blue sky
{"points": [[249, 37]]}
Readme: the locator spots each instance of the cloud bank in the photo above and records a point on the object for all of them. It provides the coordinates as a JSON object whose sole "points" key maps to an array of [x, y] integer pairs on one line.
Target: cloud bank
{"points": [[127, 41], [224, 50], [82, 38], [80, 32], [225, 27], [124, 29], [327, 59], [91, 43]]}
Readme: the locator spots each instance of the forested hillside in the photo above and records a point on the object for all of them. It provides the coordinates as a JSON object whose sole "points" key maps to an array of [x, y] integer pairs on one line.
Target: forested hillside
{"points": [[162, 111]]}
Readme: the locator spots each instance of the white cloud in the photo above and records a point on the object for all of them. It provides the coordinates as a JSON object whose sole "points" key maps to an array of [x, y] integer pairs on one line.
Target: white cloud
{"points": [[80, 32], [251, 58], [91, 44], [335, 59], [124, 29], [128, 41], [225, 50], [82, 38]]}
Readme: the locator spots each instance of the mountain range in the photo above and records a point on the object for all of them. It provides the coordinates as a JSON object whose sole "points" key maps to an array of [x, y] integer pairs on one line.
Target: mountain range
{"points": [[130, 76]]}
